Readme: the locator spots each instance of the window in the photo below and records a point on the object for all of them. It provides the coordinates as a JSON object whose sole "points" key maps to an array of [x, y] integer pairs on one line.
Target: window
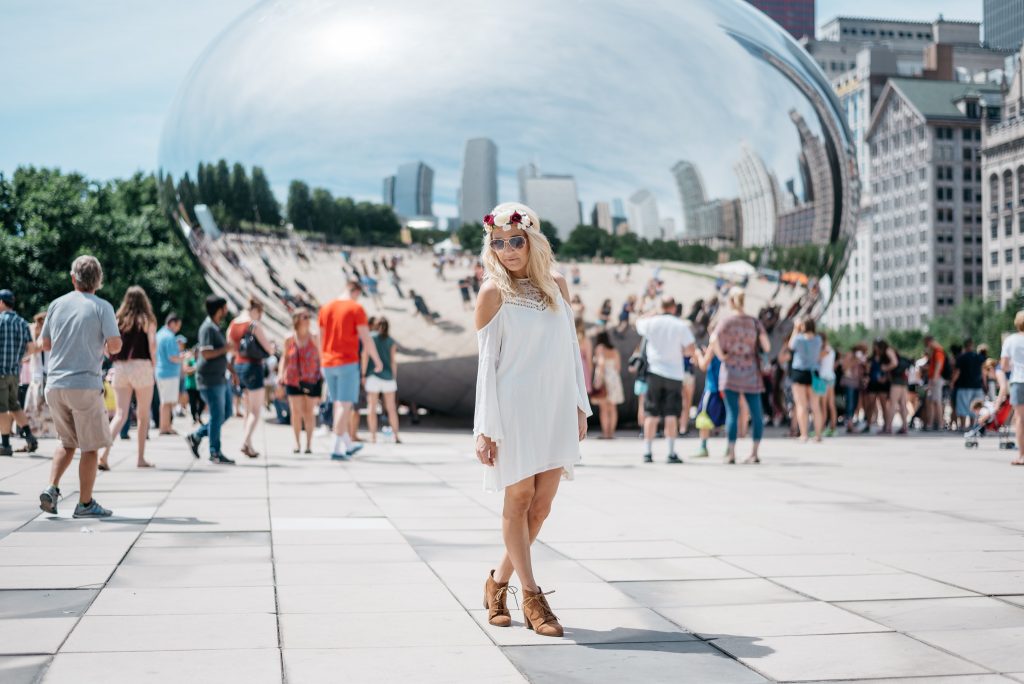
{"points": [[993, 259], [995, 231], [1008, 256], [1009, 284]]}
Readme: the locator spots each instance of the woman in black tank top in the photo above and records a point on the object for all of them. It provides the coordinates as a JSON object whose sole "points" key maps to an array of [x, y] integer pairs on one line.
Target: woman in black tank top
{"points": [[133, 368]]}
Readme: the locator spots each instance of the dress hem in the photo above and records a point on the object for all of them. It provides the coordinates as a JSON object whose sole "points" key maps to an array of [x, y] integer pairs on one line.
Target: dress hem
{"points": [[567, 474]]}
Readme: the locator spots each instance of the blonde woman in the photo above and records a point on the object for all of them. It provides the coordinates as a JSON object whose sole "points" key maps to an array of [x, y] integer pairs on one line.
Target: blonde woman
{"points": [[249, 367], [133, 369], [531, 398], [301, 380]]}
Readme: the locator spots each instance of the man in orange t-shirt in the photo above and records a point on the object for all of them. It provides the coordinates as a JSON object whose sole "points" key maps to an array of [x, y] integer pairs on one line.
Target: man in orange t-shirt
{"points": [[936, 362], [342, 326]]}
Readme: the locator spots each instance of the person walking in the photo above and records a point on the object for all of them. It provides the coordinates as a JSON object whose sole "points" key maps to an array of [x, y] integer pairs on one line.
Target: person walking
{"points": [[668, 340], [608, 370], [895, 367], [252, 347], [736, 340], [301, 377], [967, 376], [343, 325], [382, 383], [79, 329], [878, 386], [36, 410], [827, 386], [15, 343], [711, 410], [212, 369], [934, 410], [1011, 359], [806, 346], [168, 371], [531, 399], [133, 369], [852, 381]]}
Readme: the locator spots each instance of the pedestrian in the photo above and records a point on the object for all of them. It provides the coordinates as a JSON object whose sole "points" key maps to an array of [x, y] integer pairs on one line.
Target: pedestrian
{"points": [[827, 386], [806, 345], [79, 329], [467, 301], [252, 348], [711, 410], [967, 376], [301, 377], [608, 369], [15, 343], [133, 369], [168, 371], [1012, 361], [531, 402], [896, 368], [40, 422], [196, 405], [212, 369], [669, 340], [343, 325], [381, 383], [877, 391], [605, 316], [736, 340], [934, 414]]}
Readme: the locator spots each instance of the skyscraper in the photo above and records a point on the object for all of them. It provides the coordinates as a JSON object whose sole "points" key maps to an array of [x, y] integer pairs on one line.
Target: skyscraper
{"points": [[412, 190], [691, 194], [479, 191], [818, 181], [1004, 23], [643, 215], [601, 217], [758, 199], [555, 200], [796, 16], [525, 173]]}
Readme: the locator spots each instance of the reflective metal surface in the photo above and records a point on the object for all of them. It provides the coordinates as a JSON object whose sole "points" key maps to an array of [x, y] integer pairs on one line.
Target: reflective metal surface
{"points": [[700, 120]]}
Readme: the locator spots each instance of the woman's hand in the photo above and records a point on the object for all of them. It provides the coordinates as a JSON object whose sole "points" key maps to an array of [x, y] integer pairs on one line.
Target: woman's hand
{"points": [[581, 424], [486, 450]]}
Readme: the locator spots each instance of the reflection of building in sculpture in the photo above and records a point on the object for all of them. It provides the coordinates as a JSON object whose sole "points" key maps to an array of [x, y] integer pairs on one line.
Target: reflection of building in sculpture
{"points": [[643, 215], [817, 177], [795, 226], [926, 207], [555, 199], [732, 229], [478, 193], [601, 217], [692, 196], [1002, 169], [706, 222], [620, 224], [526, 172], [410, 192], [759, 194]]}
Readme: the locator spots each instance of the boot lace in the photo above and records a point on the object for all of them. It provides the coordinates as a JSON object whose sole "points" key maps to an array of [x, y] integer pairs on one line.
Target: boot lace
{"points": [[500, 596], [547, 614]]}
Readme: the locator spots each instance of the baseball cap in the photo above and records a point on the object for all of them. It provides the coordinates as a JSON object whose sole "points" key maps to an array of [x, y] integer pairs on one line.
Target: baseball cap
{"points": [[7, 297], [181, 339]]}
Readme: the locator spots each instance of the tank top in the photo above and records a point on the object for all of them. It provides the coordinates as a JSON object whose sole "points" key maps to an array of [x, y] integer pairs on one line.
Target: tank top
{"points": [[134, 346], [302, 363]]}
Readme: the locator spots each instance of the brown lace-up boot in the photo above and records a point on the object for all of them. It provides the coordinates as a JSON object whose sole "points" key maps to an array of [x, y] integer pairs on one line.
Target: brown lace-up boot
{"points": [[538, 615], [495, 594]]}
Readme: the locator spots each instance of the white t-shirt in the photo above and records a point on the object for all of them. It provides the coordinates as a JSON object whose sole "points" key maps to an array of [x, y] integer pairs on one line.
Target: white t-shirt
{"points": [[667, 336], [1013, 349]]}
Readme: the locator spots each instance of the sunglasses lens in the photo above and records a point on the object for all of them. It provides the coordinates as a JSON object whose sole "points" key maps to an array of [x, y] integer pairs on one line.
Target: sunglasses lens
{"points": [[497, 245], [517, 242]]}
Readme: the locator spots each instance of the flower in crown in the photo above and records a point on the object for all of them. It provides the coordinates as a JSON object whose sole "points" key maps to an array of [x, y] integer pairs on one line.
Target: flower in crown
{"points": [[506, 219]]}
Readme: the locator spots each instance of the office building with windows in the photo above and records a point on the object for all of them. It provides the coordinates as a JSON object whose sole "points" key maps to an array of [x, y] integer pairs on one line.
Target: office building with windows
{"points": [[478, 193], [555, 199], [796, 16], [410, 192], [1004, 23]]}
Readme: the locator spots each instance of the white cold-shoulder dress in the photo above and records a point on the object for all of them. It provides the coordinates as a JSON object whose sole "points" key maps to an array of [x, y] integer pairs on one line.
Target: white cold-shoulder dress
{"points": [[529, 384]]}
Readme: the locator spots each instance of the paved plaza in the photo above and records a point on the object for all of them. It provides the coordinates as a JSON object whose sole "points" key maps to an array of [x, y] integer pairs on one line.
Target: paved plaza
{"points": [[867, 558]]}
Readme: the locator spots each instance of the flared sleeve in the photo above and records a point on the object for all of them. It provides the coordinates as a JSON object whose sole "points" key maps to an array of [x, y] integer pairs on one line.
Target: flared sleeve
{"points": [[582, 398], [487, 414]]}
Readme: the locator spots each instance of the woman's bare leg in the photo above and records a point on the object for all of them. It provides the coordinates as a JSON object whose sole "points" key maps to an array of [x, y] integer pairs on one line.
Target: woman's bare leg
{"points": [[391, 406], [123, 397], [371, 414], [527, 505], [295, 409], [143, 399], [816, 412], [253, 408], [800, 399], [309, 417]]}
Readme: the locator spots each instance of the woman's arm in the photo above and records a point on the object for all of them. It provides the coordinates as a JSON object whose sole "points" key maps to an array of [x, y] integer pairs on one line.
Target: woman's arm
{"points": [[151, 336], [261, 336], [282, 364], [394, 362]]}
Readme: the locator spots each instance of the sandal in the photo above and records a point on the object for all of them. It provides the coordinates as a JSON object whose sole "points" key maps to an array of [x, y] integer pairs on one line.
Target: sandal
{"points": [[103, 467], [753, 459]]}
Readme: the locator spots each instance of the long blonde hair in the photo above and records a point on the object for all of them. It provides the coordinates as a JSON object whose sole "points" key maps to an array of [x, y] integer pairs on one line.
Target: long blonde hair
{"points": [[538, 267], [135, 310]]}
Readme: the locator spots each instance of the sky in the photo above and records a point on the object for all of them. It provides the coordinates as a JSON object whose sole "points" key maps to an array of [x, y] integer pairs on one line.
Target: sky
{"points": [[88, 84]]}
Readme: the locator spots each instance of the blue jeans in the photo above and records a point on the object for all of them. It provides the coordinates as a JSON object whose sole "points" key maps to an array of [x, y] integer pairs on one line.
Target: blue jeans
{"points": [[218, 399], [852, 394], [732, 414]]}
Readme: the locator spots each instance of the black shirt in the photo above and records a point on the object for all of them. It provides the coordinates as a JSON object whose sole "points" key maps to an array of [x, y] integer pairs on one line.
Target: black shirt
{"points": [[969, 364]]}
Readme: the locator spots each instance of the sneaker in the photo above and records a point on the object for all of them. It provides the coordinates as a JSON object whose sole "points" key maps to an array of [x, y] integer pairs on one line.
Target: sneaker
{"points": [[31, 444], [193, 444], [93, 510], [703, 453], [672, 458], [221, 459], [354, 449], [829, 432], [340, 457], [6, 451], [48, 499], [648, 458]]}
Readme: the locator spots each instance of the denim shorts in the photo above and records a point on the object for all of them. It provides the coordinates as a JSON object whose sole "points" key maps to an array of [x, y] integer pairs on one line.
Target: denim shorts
{"points": [[343, 382], [250, 375]]}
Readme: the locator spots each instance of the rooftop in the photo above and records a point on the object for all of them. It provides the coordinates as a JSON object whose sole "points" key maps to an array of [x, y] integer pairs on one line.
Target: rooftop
{"points": [[937, 99]]}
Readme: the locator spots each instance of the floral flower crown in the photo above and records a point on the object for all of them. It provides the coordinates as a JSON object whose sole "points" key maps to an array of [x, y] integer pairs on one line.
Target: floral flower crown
{"points": [[507, 219]]}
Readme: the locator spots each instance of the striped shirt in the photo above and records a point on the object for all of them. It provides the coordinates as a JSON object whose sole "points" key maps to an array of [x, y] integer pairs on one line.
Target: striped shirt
{"points": [[14, 335]]}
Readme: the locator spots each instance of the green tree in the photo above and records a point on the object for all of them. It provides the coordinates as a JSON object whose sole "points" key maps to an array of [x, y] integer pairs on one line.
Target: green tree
{"points": [[221, 183], [268, 211], [551, 233], [324, 214], [241, 195], [585, 242], [471, 237], [300, 206]]}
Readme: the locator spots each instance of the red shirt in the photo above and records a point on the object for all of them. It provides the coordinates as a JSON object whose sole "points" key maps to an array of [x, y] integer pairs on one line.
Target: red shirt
{"points": [[936, 360], [339, 321]]}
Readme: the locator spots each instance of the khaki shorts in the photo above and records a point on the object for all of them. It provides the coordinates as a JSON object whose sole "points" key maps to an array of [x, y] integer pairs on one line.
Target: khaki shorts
{"points": [[168, 389], [80, 418], [134, 375], [9, 393], [935, 386]]}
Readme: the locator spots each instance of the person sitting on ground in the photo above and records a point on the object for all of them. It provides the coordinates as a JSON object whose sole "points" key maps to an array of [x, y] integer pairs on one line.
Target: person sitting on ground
{"points": [[422, 309]]}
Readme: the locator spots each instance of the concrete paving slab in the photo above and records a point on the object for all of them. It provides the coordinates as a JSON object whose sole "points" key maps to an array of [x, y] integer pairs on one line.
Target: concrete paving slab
{"points": [[328, 574], [589, 626], [366, 630], [96, 633], [54, 576], [657, 569], [384, 665], [809, 565], [34, 636], [998, 649], [868, 587], [365, 598], [769, 619], [253, 666], [22, 669], [183, 601], [708, 592], [620, 550], [45, 603], [940, 614]]}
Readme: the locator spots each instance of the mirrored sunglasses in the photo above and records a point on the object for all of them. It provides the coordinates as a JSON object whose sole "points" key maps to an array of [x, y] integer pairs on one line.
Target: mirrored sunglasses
{"points": [[517, 243]]}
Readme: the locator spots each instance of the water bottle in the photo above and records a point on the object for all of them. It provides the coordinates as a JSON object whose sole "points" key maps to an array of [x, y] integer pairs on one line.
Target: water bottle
{"points": [[389, 436]]}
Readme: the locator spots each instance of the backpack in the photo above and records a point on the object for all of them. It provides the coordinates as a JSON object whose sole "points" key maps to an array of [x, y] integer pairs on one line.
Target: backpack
{"points": [[947, 369]]}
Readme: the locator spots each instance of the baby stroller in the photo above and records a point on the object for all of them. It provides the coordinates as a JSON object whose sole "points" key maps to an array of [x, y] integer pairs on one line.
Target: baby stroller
{"points": [[997, 421]]}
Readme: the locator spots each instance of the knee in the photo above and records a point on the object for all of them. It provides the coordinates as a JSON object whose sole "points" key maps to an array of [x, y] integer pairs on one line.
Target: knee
{"points": [[538, 512], [518, 505]]}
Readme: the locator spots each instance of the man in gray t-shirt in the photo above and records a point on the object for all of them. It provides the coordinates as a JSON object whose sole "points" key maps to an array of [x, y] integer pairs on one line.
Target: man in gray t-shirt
{"points": [[211, 380], [79, 329]]}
